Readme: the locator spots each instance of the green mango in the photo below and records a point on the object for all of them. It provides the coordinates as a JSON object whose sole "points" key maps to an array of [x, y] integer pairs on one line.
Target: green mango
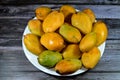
{"points": [[70, 33], [49, 58]]}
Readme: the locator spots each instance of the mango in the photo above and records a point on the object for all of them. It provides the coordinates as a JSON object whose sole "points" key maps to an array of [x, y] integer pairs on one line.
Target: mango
{"points": [[32, 43], [52, 41], [90, 13], [67, 66], [88, 42], [70, 33], [49, 58], [35, 26], [101, 31], [53, 21], [91, 58], [82, 21], [72, 51], [67, 10], [42, 12]]}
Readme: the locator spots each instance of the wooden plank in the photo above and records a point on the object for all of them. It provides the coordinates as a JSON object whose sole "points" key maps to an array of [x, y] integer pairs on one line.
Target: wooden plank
{"points": [[42, 76], [60, 2], [27, 11]]}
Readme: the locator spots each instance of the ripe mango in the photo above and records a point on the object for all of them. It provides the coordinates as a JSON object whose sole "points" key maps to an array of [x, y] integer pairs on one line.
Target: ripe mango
{"points": [[42, 12], [90, 13], [67, 66], [32, 43], [91, 58], [49, 58], [67, 10], [53, 21], [72, 51], [101, 30], [82, 21], [70, 33], [88, 42], [35, 26], [52, 41]]}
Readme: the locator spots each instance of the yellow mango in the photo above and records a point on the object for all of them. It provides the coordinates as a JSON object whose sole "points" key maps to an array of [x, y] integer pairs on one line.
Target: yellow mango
{"points": [[53, 21], [101, 31], [82, 21], [91, 58], [32, 43], [90, 13], [88, 42], [70, 33], [52, 41], [67, 10], [42, 12], [67, 66], [35, 26], [72, 51]]}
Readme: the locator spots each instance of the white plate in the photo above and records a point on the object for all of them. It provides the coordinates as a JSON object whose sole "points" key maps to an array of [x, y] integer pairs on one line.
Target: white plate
{"points": [[33, 59]]}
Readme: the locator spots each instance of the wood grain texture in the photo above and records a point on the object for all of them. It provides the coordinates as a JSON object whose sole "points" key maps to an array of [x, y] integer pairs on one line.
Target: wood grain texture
{"points": [[14, 16], [27, 11], [60, 2]]}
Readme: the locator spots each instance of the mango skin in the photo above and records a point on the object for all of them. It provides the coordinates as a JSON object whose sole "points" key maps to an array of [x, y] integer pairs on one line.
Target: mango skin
{"points": [[82, 21], [90, 13], [35, 27], [49, 58], [72, 51], [52, 41], [91, 58], [70, 33], [67, 10], [101, 31], [88, 42], [32, 43], [53, 21], [67, 66], [42, 12]]}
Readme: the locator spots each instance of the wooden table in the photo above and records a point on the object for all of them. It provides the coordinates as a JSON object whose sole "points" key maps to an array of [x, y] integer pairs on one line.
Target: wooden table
{"points": [[14, 15]]}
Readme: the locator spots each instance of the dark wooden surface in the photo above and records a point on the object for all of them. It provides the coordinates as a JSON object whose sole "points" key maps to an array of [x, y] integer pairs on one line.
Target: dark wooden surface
{"points": [[14, 15]]}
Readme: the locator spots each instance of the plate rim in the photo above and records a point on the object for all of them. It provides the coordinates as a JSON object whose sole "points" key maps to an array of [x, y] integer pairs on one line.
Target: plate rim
{"points": [[28, 54]]}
